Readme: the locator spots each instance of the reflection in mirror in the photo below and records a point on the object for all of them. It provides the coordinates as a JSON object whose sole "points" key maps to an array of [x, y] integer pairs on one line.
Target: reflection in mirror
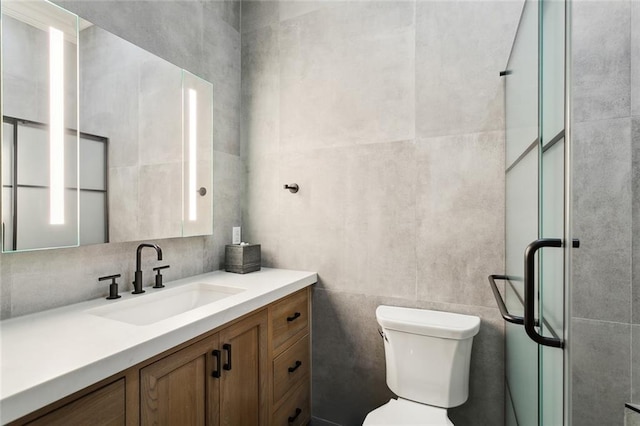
{"points": [[145, 140], [40, 137]]}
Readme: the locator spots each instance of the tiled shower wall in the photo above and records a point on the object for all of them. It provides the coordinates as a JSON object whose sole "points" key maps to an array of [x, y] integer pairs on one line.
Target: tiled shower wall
{"points": [[204, 38], [606, 135], [389, 115]]}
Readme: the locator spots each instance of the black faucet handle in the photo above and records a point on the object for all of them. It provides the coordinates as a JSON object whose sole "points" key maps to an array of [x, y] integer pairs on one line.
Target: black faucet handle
{"points": [[159, 276], [109, 277], [113, 287], [159, 268]]}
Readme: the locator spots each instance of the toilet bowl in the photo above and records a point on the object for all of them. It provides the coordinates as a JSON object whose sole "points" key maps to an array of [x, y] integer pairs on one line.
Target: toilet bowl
{"points": [[427, 355], [402, 412]]}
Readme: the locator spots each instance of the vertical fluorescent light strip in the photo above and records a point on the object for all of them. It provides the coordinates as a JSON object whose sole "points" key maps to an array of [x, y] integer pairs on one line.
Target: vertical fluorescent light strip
{"points": [[193, 121], [56, 126]]}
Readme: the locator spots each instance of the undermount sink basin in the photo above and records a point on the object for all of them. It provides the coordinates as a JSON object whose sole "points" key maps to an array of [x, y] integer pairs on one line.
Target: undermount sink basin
{"points": [[150, 308]]}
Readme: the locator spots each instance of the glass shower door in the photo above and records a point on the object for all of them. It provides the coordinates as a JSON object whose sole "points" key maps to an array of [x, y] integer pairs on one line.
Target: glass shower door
{"points": [[521, 227], [536, 208]]}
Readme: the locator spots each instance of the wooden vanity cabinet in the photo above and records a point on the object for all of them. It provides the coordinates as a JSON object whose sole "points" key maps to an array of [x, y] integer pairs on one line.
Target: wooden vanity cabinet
{"points": [[290, 320], [177, 389], [104, 406], [220, 380], [254, 371]]}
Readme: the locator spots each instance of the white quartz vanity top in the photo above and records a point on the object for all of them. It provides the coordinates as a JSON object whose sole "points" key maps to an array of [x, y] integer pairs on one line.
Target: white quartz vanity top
{"points": [[49, 355]]}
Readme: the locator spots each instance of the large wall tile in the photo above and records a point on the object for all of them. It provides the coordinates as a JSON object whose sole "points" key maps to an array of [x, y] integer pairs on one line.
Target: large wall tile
{"points": [[221, 67], [257, 14], [316, 421], [461, 47], [631, 417], [261, 208], [601, 372], [347, 75], [460, 217], [260, 129], [600, 75], [635, 243], [293, 9], [635, 363], [635, 58], [5, 288], [311, 222], [169, 29], [380, 220], [602, 220], [225, 10], [43, 282]]}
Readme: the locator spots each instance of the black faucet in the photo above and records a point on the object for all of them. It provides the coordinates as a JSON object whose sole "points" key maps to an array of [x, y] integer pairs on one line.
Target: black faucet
{"points": [[137, 282]]}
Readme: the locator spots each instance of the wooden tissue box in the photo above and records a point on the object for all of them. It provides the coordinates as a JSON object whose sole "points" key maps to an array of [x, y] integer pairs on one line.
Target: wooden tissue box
{"points": [[242, 259]]}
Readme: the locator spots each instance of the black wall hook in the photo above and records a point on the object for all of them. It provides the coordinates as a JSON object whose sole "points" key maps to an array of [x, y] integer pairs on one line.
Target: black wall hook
{"points": [[293, 188]]}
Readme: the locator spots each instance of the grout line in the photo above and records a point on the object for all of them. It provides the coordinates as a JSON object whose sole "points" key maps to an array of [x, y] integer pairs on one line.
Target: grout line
{"points": [[603, 321]]}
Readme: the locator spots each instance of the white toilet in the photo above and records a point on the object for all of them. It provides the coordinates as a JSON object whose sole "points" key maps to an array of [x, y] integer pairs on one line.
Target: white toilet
{"points": [[427, 355]]}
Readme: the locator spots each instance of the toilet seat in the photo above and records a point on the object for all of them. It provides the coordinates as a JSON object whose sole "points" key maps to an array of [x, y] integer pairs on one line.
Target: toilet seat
{"points": [[400, 411]]}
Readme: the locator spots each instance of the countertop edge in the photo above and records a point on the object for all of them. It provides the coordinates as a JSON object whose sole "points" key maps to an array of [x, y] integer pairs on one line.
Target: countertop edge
{"points": [[17, 405]]}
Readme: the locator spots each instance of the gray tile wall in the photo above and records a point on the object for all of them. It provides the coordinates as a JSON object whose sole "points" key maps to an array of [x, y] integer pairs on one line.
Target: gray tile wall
{"points": [[606, 288], [389, 117], [631, 417], [202, 37]]}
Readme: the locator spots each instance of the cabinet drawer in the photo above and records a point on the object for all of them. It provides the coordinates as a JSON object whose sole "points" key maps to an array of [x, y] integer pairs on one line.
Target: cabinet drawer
{"points": [[105, 406], [296, 410], [290, 368], [289, 316]]}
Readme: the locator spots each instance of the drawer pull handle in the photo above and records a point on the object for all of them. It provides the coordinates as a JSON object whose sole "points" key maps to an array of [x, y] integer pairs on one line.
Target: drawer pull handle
{"points": [[216, 373], [295, 416], [227, 347], [295, 367], [293, 317]]}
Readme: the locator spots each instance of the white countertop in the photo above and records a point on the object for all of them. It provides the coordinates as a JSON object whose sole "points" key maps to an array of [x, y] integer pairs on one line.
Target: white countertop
{"points": [[49, 355]]}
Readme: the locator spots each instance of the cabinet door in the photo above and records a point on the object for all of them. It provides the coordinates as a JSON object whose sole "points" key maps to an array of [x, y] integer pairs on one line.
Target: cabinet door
{"points": [[245, 372], [105, 406], [177, 390]]}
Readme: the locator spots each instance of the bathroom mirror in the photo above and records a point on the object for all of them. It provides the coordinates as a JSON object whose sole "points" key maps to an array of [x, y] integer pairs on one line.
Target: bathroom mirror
{"points": [[135, 153]]}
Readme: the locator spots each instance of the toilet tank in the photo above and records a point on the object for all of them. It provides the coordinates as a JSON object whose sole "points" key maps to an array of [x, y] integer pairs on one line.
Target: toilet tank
{"points": [[428, 354]]}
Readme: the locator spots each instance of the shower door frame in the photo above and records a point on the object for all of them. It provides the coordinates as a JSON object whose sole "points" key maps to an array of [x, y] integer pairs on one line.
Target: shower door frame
{"points": [[547, 319]]}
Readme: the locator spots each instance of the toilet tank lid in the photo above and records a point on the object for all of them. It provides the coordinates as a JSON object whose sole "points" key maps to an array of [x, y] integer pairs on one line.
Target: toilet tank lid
{"points": [[428, 323]]}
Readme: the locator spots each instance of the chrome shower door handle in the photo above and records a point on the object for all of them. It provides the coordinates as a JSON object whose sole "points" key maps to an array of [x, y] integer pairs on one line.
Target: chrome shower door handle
{"points": [[529, 290]]}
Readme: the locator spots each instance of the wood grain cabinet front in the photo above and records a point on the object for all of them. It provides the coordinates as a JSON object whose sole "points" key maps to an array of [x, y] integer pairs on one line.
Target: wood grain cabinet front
{"points": [[289, 316], [102, 407], [291, 351], [178, 389], [290, 368], [296, 410], [220, 380]]}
